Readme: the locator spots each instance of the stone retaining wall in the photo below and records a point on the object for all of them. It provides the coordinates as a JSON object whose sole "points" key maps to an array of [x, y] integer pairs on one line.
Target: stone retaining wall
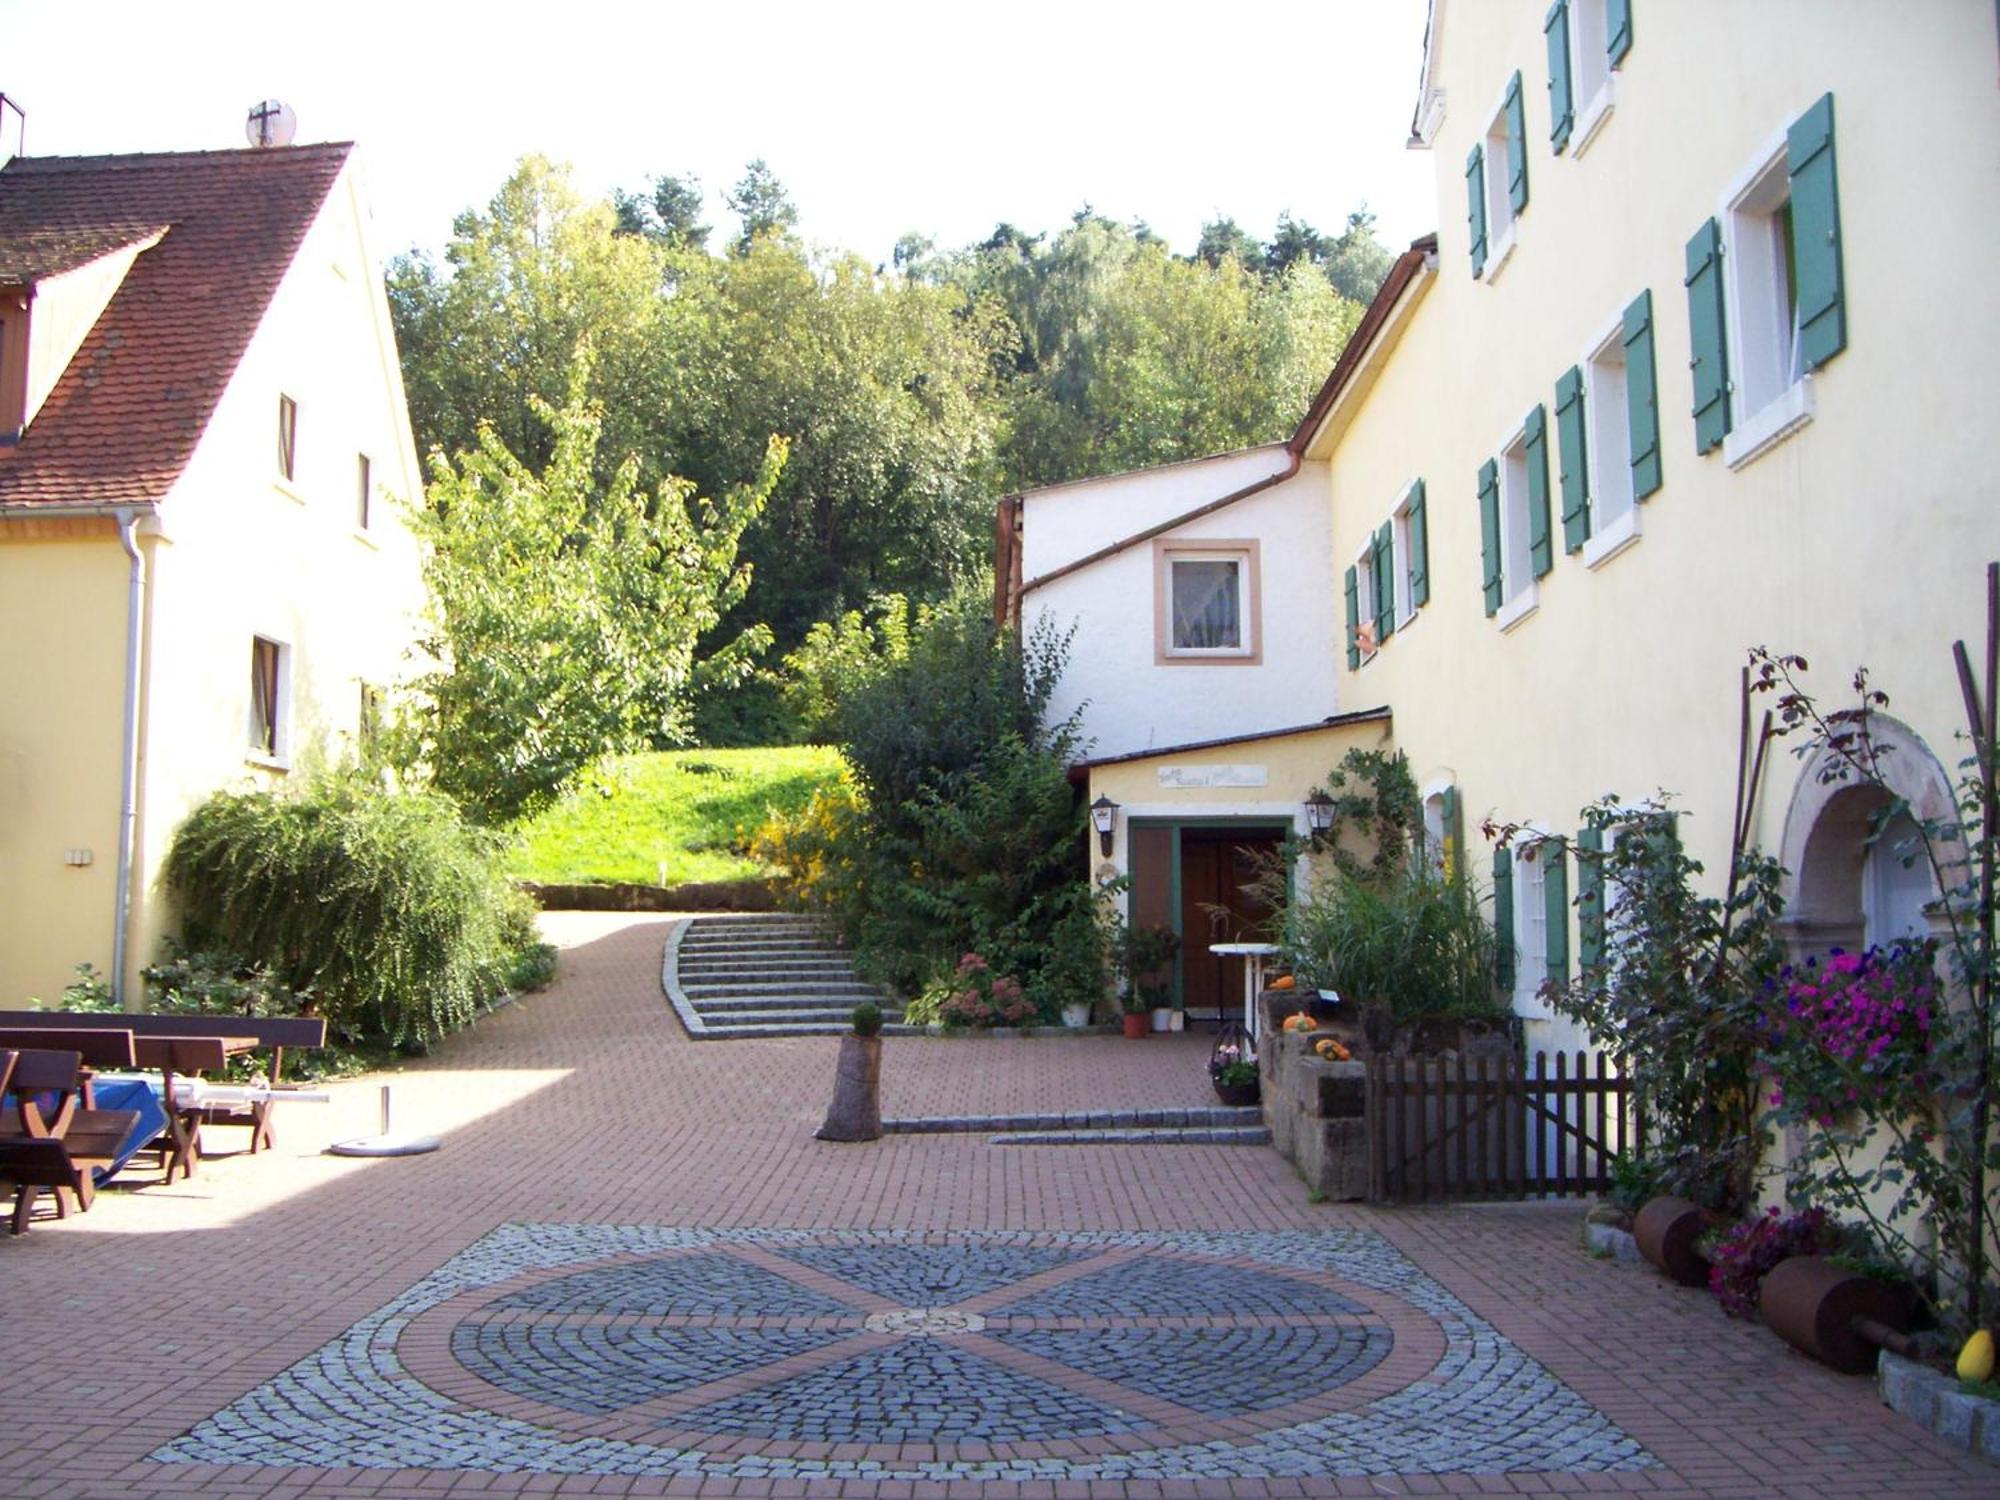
{"points": [[721, 895], [1317, 1112]]}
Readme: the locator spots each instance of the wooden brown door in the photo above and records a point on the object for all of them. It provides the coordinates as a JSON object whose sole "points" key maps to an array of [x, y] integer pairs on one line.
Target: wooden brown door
{"points": [[1219, 867]]}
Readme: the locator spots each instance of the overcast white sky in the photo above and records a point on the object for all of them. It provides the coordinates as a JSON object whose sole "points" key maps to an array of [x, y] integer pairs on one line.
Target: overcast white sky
{"points": [[942, 118]]}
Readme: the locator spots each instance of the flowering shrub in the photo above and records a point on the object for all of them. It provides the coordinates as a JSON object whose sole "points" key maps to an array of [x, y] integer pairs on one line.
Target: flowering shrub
{"points": [[1233, 1063], [982, 998], [1745, 1254], [1852, 1030]]}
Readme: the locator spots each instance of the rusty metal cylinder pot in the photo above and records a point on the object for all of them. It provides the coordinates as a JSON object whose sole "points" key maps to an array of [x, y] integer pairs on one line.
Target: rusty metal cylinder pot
{"points": [[1666, 1230], [1822, 1309]]}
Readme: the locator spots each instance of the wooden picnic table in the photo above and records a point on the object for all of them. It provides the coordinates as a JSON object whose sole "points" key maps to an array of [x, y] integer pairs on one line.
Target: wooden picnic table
{"points": [[117, 1047], [59, 1149]]}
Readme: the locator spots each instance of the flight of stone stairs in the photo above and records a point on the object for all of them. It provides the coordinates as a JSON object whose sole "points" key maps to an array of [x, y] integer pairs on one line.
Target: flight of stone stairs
{"points": [[770, 974]]}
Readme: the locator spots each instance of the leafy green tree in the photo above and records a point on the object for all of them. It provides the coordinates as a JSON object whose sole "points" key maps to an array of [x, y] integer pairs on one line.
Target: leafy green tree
{"points": [[523, 283], [1224, 237], [566, 614], [670, 214], [762, 203], [1358, 262]]}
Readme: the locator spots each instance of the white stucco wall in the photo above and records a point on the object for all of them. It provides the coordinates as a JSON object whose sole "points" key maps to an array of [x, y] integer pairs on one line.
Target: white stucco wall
{"points": [[1130, 700], [241, 553]]}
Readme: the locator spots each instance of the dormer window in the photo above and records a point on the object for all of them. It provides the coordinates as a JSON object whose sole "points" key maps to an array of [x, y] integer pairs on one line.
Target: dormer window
{"points": [[288, 438], [13, 363]]}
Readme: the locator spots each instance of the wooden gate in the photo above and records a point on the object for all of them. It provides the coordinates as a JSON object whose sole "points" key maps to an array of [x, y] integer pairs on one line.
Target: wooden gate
{"points": [[1488, 1128]]}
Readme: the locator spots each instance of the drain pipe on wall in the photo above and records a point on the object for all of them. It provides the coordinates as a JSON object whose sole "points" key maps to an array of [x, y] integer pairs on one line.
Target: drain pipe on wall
{"points": [[128, 804]]}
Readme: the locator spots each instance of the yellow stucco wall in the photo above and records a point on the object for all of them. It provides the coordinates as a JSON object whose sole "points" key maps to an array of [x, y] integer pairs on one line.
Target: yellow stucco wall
{"points": [[62, 614]]}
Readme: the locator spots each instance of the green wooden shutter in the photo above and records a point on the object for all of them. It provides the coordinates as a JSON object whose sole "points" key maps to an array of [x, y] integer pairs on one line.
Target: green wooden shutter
{"points": [[1541, 551], [1562, 108], [1618, 29], [1573, 469], [1503, 918], [1454, 837], [1385, 581], [1353, 621], [1642, 396], [1590, 900], [1555, 907], [1475, 206], [1816, 234], [1489, 531], [1708, 344], [1517, 145], [1420, 549]]}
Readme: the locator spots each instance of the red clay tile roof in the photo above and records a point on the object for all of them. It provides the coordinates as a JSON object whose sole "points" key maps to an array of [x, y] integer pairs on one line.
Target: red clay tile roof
{"points": [[33, 254], [124, 419]]}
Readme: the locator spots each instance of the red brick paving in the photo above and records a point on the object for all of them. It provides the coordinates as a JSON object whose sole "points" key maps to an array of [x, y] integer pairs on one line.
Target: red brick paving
{"points": [[129, 1325]]}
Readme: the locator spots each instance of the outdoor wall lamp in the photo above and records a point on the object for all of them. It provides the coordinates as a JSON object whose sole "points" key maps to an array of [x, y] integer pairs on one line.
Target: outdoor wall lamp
{"points": [[1319, 811], [1104, 814]]}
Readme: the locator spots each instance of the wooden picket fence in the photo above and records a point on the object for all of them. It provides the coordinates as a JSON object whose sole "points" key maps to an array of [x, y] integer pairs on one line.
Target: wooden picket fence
{"points": [[1489, 1128]]}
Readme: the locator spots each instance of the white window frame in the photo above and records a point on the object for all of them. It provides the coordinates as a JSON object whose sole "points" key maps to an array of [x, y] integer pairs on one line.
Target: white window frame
{"points": [[1519, 596], [1531, 924], [1500, 215], [1771, 395], [1364, 600], [279, 755], [1244, 553], [1402, 554], [364, 499], [1605, 409], [1589, 69]]}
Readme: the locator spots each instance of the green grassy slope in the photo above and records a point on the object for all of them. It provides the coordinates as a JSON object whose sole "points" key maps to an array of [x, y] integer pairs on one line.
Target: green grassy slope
{"points": [[690, 810]]}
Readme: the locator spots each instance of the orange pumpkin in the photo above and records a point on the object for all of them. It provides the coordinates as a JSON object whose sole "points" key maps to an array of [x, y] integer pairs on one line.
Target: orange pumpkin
{"points": [[1332, 1049], [1301, 1022], [1283, 982]]}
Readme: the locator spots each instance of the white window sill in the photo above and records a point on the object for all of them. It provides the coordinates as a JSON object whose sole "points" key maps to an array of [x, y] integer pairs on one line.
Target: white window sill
{"points": [[1498, 248], [1209, 659], [1766, 428], [1612, 540], [1513, 611], [265, 762], [1590, 119], [284, 487]]}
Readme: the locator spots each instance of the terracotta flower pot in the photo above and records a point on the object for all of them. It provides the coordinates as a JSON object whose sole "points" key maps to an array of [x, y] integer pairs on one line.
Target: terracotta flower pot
{"points": [[1136, 1023]]}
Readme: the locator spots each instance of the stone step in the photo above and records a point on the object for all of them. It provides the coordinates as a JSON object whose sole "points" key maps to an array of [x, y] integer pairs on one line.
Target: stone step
{"points": [[1234, 1135], [745, 989], [725, 1005], [780, 967], [800, 1028], [1195, 1117], [840, 1016], [776, 948]]}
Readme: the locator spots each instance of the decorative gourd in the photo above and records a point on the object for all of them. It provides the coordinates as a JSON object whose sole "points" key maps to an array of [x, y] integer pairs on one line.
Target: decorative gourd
{"points": [[1283, 982], [1332, 1049], [1300, 1022], [1975, 1360]]}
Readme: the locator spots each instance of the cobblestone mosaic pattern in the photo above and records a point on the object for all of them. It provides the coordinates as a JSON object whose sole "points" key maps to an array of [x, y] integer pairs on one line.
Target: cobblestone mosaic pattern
{"points": [[931, 1275], [1221, 1370], [919, 1390], [597, 1369], [766, 1354]]}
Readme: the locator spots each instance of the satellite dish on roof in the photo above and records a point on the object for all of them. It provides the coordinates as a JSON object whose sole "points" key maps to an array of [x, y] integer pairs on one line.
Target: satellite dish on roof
{"points": [[271, 123]]}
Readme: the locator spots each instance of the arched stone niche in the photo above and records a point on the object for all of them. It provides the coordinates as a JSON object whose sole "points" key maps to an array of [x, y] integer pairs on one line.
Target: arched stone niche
{"points": [[1844, 887]]}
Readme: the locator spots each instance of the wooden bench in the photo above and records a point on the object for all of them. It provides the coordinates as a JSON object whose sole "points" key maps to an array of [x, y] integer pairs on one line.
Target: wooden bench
{"points": [[58, 1147], [275, 1033]]}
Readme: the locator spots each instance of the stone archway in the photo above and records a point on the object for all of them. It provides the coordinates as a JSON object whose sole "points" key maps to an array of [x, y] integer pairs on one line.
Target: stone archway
{"points": [[1850, 880]]}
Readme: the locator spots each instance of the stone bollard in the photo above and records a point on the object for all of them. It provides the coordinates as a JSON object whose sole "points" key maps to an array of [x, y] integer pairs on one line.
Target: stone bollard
{"points": [[856, 1112]]}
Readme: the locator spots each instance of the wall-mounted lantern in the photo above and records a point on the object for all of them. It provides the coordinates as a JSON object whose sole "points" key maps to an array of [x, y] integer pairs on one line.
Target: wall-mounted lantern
{"points": [[1104, 816], [1319, 812]]}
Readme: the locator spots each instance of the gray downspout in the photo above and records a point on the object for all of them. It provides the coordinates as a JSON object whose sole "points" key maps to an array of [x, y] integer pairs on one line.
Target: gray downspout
{"points": [[128, 805]]}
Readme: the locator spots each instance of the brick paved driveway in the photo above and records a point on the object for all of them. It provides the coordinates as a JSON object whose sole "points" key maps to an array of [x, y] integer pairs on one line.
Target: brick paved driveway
{"points": [[631, 1271]]}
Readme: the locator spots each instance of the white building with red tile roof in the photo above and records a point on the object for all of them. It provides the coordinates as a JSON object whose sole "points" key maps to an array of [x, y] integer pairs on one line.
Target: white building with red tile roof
{"points": [[205, 576]]}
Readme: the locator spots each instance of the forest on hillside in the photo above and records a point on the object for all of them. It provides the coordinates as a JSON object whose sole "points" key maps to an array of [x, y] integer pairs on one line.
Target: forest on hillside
{"points": [[912, 394]]}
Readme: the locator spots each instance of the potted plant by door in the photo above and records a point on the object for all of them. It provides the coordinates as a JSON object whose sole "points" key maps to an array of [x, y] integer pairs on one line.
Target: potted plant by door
{"points": [[1136, 1004], [1232, 1067]]}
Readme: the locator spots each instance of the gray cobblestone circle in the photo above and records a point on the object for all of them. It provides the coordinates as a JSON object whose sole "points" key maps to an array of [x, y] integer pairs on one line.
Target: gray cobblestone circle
{"points": [[604, 1338]]}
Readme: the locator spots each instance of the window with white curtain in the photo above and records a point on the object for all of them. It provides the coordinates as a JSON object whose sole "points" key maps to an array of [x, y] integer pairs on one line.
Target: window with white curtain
{"points": [[1207, 606]]}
